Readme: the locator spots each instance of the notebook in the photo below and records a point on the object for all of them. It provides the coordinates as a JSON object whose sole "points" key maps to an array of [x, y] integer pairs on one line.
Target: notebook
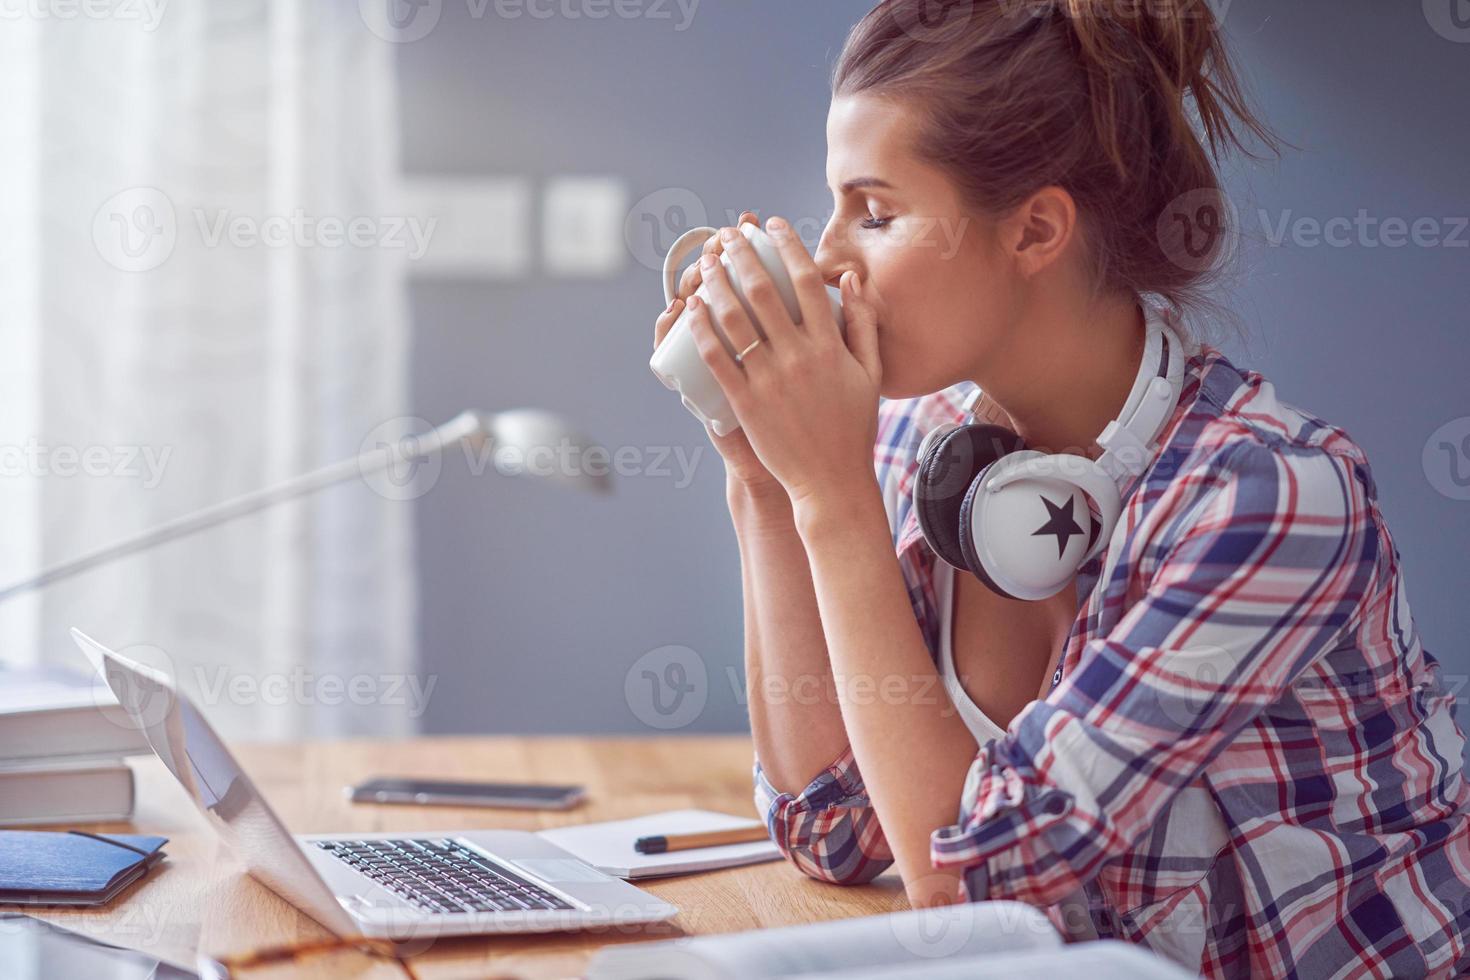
{"points": [[608, 846], [42, 868]]}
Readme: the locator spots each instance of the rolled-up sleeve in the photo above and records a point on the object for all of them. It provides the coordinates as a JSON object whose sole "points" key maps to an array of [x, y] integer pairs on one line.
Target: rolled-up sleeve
{"points": [[1265, 554], [829, 830]]}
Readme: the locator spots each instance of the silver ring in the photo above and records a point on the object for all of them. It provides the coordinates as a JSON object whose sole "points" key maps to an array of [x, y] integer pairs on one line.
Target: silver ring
{"points": [[740, 358]]}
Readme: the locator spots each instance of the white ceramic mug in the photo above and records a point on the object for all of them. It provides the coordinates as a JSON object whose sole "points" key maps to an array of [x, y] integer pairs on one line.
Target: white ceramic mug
{"points": [[676, 361]]}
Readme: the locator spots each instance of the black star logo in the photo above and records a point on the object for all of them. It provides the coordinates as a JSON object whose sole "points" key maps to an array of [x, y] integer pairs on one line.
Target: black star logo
{"points": [[1059, 522]]}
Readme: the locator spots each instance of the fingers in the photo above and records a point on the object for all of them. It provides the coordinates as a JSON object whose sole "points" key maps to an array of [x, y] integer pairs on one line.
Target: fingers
{"points": [[811, 291], [690, 279], [760, 291], [712, 246], [862, 324], [712, 350], [665, 321], [729, 314]]}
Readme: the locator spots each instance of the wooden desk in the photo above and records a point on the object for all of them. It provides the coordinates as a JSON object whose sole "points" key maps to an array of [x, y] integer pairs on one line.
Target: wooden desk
{"points": [[200, 898]]}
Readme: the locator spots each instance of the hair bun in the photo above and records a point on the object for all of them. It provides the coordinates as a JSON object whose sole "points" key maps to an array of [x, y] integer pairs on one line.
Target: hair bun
{"points": [[1171, 46]]}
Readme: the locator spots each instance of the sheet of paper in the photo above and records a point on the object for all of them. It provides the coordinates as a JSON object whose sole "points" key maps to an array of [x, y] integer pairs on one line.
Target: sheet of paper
{"points": [[608, 846]]}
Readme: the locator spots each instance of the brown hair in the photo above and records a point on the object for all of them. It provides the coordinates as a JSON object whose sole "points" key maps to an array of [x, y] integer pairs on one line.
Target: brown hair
{"points": [[1100, 97]]}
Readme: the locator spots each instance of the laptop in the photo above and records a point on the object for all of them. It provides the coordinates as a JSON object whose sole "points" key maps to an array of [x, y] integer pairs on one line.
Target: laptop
{"points": [[380, 886]]}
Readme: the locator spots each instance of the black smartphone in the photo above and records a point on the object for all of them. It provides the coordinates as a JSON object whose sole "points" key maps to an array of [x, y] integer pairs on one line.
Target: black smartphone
{"points": [[435, 792]]}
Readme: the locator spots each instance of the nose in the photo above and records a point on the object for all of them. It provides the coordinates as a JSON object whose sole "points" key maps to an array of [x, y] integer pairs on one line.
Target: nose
{"points": [[831, 257]]}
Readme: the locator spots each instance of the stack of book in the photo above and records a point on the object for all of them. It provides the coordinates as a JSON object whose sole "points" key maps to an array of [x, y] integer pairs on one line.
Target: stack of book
{"points": [[62, 742]]}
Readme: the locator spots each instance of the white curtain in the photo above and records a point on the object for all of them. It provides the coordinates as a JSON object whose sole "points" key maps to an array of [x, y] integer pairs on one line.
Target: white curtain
{"points": [[202, 292]]}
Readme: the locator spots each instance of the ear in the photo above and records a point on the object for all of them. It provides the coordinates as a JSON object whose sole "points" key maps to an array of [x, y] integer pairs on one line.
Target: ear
{"points": [[1039, 230]]}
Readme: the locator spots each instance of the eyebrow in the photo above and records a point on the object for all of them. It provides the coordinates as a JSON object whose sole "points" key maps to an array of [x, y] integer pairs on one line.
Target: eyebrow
{"points": [[861, 182]]}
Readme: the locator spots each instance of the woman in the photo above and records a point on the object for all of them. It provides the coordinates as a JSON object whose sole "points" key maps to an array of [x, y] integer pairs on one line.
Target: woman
{"points": [[1221, 738]]}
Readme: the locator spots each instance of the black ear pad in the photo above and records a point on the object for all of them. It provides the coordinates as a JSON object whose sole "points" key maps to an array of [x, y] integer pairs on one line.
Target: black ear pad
{"points": [[946, 473], [967, 539]]}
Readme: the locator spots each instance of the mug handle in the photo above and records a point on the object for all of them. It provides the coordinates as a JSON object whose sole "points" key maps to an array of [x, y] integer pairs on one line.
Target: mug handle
{"points": [[692, 239]]}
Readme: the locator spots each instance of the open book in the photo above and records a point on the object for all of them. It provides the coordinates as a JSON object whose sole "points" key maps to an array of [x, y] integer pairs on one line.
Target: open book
{"points": [[998, 939]]}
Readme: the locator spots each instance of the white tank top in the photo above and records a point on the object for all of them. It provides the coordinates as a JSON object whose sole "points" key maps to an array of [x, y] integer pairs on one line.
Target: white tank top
{"points": [[983, 728], [975, 720]]}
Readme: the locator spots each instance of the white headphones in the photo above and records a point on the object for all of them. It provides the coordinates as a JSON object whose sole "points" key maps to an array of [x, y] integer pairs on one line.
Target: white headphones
{"points": [[1017, 518]]}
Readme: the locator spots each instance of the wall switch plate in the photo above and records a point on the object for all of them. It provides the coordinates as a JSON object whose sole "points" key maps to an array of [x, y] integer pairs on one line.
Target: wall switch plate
{"points": [[481, 226], [582, 226]]}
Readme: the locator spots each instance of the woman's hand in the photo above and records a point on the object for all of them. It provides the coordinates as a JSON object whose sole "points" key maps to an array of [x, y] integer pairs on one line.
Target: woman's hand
{"points": [[741, 464], [806, 400]]}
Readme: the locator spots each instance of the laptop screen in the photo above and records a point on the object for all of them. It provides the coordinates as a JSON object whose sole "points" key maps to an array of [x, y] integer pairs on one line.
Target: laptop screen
{"points": [[199, 759]]}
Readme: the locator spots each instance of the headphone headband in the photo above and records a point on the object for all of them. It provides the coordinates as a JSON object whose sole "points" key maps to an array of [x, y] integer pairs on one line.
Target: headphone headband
{"points": [[1127, 441], [982, 496]]}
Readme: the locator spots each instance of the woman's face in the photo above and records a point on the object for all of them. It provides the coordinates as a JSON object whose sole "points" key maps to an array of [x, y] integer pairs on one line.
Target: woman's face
{"points": [[945, 292]]}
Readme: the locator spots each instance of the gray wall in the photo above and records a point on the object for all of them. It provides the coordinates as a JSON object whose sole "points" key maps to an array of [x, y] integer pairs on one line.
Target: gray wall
{"points": [[536, 602]]}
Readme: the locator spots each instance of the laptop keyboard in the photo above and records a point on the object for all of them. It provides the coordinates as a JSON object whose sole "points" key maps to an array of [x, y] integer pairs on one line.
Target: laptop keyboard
{"points": [[442, 876]]}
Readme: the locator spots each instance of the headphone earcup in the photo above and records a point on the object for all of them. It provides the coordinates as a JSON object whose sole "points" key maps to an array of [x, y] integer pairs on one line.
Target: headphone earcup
{"points": [[1026, 527], [947, 471], [967, 539]]}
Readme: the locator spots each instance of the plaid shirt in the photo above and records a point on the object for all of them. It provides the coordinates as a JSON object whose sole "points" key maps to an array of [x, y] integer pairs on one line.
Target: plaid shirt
{"points": [[1246, 759]]}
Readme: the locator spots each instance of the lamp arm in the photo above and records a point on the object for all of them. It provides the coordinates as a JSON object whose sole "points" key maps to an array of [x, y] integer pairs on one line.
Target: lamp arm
{"points": [[469, 425]]}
